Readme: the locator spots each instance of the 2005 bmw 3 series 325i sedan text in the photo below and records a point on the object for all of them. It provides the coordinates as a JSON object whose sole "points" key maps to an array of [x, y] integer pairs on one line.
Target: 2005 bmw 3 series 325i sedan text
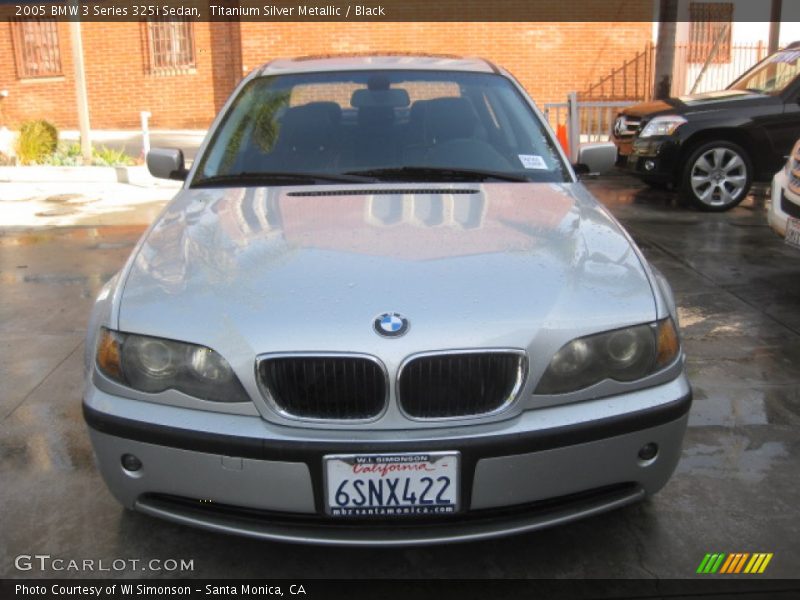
{"points": [[383, 310]]}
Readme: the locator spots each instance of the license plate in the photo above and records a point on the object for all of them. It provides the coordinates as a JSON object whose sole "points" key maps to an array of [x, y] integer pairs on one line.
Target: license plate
{"points": [[392, 485], [793, 232]]}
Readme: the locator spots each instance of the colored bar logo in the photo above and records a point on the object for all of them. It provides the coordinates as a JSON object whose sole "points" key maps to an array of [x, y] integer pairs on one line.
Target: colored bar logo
{"points": [[737, 562]]}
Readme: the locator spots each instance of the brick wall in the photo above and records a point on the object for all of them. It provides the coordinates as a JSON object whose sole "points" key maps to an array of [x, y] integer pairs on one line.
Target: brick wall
{"points": [[120, 86], [549, 59], [52, 98], [119, 83]]}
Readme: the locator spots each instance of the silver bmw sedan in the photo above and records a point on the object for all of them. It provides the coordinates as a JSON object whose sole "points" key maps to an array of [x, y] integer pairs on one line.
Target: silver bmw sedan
{"points": [[383, 310]]}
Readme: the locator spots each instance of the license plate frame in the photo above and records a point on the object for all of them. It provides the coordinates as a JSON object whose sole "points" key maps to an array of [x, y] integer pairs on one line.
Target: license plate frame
{"points": [[792, 237], [444, 464]]}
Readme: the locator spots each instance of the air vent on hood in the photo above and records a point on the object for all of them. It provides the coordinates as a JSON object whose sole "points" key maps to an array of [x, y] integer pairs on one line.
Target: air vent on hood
{"points": [[383, 192]]}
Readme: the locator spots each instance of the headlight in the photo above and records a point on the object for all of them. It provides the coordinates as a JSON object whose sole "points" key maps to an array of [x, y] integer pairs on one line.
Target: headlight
{"points": [[623, 355], [662, 126], [152, 365], [791, 162]]}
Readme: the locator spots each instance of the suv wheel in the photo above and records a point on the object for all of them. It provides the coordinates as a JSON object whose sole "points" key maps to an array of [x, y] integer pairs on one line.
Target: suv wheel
{"points": [[717, 176]]}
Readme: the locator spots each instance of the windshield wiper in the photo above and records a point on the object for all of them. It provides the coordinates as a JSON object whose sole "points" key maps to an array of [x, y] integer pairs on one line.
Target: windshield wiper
{"points": [[439, 174], [277, 178]]}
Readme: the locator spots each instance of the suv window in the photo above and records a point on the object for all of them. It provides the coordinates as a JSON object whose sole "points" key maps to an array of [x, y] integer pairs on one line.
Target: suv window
{"points": [[772, 75], [353, 122]]}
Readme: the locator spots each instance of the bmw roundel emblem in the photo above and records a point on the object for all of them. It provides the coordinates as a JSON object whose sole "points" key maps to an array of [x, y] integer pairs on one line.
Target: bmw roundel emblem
{"points": [[391, 324]]}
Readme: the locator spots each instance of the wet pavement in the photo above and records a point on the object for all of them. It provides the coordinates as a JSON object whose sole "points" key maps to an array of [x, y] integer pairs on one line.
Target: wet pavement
{"points": [[735, 489]]}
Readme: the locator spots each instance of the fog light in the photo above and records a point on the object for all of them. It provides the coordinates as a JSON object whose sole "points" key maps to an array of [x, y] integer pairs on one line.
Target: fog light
{"points": [[649, 165], [131, 463], [648, 451]]}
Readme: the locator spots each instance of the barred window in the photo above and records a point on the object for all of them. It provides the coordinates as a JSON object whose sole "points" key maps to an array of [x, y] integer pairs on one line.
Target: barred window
{"points": [[709, 21], [36, 49], [171, 46]]}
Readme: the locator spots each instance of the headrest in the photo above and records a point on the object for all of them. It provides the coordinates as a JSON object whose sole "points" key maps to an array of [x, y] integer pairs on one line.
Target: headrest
{"points": [[309, 124]]}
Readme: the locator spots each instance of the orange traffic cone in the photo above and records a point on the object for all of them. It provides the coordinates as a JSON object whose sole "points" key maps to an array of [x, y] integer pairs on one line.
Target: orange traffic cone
{"points": [[561, 134]]}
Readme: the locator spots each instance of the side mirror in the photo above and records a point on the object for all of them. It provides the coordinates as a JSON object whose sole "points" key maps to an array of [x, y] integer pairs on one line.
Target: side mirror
{"points": [[166, 163], [596, 158]]}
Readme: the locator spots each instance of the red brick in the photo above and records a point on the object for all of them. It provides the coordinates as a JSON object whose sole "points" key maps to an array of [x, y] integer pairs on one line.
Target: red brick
{"points": [[550, 59]]}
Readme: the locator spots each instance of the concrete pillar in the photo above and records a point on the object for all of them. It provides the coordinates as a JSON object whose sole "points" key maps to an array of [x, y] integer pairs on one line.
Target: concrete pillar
{"points": [[665, 49]]}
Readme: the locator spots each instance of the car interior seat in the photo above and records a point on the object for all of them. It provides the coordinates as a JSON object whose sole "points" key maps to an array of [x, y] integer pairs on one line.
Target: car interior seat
{"points": [[308, 140]]}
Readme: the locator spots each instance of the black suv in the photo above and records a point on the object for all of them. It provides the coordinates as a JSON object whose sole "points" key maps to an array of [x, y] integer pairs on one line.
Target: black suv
{"points": [[712, 146]]}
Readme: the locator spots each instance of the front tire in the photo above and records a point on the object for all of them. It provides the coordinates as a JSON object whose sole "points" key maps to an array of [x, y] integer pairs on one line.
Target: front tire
{"points": [[717, 176]]}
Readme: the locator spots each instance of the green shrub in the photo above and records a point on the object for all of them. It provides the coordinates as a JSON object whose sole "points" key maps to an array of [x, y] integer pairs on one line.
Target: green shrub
{"points": [[108, 157], [66, 155], [37, 140], [69, 155]]}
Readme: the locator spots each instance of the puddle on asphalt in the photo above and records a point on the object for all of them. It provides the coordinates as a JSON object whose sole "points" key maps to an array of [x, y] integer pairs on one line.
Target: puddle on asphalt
{"points": [[57, 212], [112, 245], [142, 215], [738, 459], [95, 280], [32, 238], [45, 450], [79, 210], [728, 408], [59, 198], [68, 204], [75, 265], [129, 232], [690, 316], [59, 278]]}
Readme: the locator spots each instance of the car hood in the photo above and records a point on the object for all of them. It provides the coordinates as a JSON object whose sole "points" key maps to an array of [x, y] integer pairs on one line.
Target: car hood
{"points": [[693, 103], [255, 270]]}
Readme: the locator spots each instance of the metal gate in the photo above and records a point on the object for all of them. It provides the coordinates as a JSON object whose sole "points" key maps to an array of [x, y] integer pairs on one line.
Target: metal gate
{"points": [[577, 122]]}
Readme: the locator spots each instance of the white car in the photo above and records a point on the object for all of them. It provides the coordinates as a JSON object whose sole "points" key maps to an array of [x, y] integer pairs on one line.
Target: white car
{"points": [[784, 210]]}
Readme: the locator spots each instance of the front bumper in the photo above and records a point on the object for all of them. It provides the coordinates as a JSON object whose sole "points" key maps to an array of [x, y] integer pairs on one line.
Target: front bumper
{"points": [[653, 158], [783, 204], [242, 475]]}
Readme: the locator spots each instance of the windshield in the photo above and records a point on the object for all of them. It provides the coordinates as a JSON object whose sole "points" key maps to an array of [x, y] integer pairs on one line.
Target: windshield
{"points": [[771, 75], [366, 126]]}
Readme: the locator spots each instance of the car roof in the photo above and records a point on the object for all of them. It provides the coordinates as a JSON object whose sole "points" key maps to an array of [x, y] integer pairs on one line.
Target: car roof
{"points": [[363, 62]]}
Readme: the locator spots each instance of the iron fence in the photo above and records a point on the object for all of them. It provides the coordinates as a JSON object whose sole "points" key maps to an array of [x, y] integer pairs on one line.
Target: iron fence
{"points": [[723, 68], [633, 79], [577, 122]]}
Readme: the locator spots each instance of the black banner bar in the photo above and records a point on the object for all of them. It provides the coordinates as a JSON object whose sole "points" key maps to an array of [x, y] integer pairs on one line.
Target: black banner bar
{"points": [[320, 589], [361, 11]]}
